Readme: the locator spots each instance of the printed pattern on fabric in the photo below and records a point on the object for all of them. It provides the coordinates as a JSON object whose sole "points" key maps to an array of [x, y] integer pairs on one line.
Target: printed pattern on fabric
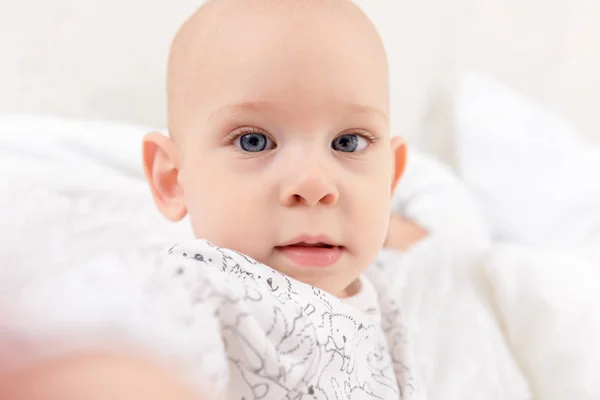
{"points": [[287, 340]]}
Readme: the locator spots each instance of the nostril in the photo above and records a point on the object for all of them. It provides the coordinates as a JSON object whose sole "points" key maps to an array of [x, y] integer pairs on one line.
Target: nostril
{"points": [[270, 282], [344, 338]]}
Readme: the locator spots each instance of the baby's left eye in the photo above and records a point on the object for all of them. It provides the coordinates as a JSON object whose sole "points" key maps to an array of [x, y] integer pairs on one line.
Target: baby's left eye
{"points": [[349, 143]]}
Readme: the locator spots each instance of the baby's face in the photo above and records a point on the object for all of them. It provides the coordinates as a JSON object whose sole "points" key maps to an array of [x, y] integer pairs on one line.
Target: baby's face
{"points": [[281, 133]]}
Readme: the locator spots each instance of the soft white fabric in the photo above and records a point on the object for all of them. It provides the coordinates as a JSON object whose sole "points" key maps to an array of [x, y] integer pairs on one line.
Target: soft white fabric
{"points": [[535, 178], [69, 185], [75, 214], [286, 339], [34, 144], [532, 173], [101, 301], [282, 339], [365, 298], [433, 196], [549, 306], [456, 313], [458, 343], [458, 346]]}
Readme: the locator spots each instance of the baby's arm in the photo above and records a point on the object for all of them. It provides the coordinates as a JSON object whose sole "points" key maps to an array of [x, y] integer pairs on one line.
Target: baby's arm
{"points": [[73, 328], [432, 201], [403, 234]]}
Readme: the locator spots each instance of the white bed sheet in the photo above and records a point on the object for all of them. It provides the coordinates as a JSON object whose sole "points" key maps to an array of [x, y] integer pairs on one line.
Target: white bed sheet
{"points": [[459, 348], [466, 306]]}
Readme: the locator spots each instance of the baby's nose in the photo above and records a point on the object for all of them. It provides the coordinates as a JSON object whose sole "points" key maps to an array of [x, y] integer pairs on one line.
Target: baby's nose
{"points": [[311, 189], [270, 282]]}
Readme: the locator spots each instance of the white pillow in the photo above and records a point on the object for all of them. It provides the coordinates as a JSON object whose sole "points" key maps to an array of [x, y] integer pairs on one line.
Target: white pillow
{"points": [[536, 179], [70, 190], [33, 143]]}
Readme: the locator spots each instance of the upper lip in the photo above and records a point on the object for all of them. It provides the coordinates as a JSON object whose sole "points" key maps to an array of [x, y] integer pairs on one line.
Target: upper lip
{"points": [[311, 240]]}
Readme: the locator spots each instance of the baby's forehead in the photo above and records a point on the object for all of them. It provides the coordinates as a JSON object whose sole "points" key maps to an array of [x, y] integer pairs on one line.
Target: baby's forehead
{"points": [[229, 38]]}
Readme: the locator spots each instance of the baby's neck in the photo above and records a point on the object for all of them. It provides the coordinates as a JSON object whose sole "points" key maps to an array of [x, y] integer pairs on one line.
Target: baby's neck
{"points": [[351, 290]]}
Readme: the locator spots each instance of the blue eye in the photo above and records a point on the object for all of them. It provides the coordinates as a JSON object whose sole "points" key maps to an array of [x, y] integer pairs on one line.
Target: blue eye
{"points": [[254, 142], [349, 143]]}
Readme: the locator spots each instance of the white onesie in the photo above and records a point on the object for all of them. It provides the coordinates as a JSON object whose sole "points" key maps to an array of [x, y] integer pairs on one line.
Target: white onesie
{"points": [[287, 340]]}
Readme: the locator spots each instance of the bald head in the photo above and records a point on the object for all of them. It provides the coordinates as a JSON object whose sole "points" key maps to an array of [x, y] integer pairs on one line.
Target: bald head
{"points": [[225, 35]]}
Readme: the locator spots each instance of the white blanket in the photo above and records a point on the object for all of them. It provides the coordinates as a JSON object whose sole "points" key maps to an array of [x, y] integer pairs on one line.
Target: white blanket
{"points": [[486, 321], [493, 319], [457, 342]]}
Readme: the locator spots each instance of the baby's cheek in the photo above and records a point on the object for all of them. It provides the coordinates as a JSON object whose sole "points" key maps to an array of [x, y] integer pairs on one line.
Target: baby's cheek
{"points": [[230, 221], [211, 221], [372, 222]]}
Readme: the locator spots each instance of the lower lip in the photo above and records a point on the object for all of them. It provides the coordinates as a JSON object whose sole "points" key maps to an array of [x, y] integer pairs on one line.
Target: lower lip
{"points": [[316, 257]]}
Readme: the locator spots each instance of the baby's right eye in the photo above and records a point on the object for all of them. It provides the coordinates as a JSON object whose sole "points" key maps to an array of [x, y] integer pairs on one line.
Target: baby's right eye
{"points": [[254, 142]]}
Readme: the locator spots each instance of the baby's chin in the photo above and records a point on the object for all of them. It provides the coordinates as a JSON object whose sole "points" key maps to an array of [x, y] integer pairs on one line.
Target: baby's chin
{"points": [[339, 280]]}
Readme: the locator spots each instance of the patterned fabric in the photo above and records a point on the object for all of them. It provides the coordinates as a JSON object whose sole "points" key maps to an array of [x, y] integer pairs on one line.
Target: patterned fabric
{"points": [[284, 339]]}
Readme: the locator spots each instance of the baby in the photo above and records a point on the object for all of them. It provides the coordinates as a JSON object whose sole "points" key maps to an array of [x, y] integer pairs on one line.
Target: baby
{"points": [[281, 155], [280, 147]]}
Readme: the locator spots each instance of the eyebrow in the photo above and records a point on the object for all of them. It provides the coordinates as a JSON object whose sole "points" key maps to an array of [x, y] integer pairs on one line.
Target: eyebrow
{"points": [[254, 106], [257, 106], [359, 108]]}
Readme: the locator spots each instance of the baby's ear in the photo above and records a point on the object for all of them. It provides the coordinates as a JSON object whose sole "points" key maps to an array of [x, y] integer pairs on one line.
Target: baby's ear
{"points": [[161, 166], [399, 160]]}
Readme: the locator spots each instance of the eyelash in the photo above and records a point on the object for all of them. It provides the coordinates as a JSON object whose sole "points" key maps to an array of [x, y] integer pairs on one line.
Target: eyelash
{"points": [[369, 137], [246, 131]]}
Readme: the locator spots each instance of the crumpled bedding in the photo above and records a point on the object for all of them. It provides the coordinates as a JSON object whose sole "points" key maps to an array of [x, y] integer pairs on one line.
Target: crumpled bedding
{"points": [[486, 320], [458, 345]]}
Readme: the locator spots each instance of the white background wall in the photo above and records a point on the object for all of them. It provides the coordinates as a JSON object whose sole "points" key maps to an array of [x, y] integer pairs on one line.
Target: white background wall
{"points": [[548, 48], [105, 58]]}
